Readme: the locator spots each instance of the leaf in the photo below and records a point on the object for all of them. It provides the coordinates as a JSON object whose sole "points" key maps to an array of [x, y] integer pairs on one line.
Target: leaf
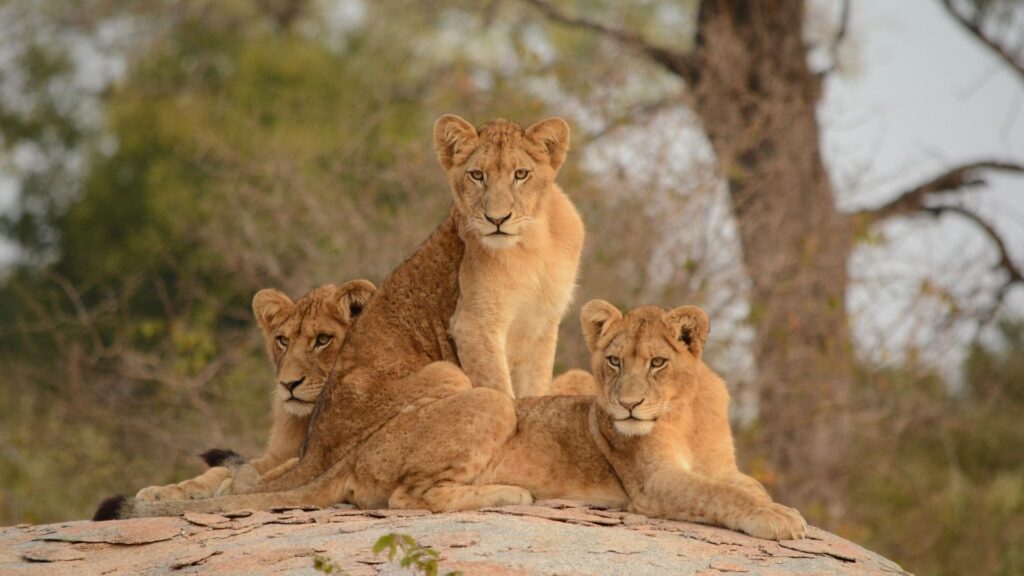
{"points": [[385, 541]]}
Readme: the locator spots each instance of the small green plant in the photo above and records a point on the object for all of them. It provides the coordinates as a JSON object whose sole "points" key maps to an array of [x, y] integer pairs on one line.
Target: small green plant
{"points": [[326, 565], [419, 558]]}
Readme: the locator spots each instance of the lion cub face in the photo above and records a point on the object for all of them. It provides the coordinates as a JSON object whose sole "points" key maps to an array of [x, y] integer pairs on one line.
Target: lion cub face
{"points": [[304, 338], [644, 362], [499, 173]]}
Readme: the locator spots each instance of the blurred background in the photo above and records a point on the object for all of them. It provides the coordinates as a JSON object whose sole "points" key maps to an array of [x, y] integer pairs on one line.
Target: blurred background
{"points": [[839, 184]]}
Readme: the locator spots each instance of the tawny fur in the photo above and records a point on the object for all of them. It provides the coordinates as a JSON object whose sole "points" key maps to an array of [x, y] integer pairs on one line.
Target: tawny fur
{"points": [[574, 383], [291, 331], [523, 240]]}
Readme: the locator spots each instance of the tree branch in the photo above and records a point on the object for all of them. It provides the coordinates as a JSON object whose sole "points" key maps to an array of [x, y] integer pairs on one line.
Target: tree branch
{"points": [[954, 180], [844, 24], [632, 115], [1005, 261], [973, 27], [1013, 272], [676, 62]]}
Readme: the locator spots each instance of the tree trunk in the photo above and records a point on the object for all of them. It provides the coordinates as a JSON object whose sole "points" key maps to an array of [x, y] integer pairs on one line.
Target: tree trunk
{"points": [[757, 97]]}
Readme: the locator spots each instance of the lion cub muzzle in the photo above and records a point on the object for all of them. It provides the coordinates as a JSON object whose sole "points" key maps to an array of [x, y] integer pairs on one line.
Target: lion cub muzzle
{"points": [[291, 385]]}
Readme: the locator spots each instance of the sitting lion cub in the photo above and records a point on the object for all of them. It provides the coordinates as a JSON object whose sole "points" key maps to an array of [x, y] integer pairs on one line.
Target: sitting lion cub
{"points": [[523, 240], [303, 341]]}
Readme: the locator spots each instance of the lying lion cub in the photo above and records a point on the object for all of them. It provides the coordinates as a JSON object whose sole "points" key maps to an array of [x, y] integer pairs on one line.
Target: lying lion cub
{"points": [[303, 340], [655, 438]]}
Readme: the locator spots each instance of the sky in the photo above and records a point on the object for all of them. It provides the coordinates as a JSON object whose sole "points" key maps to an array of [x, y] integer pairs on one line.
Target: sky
{"points": [[922, 96]]}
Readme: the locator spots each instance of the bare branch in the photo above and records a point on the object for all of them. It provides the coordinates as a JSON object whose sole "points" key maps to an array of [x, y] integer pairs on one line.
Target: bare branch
{"points": [[633, 115], [1005, 262], [1014, 274], [956, 179], [676, 62], [973, 26]]}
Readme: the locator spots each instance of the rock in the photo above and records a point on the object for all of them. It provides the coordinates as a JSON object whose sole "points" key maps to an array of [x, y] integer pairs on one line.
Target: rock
{"points": [[555, 537]]}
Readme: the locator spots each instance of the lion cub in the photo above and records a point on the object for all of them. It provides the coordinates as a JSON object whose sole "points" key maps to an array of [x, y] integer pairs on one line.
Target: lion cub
{"points": [[303, 340], [655, 437], [664, 422], [523, 240]]}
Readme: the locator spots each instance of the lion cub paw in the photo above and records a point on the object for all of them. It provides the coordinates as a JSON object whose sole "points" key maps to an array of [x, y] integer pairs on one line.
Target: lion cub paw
{"points": [[161, 493], [774, 522], [226, 488], [188, 490], [512, 495]]}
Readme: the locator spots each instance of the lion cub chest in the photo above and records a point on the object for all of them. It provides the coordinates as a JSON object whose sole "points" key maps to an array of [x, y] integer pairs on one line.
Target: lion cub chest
{"points": [[537, 305], [510, 304]]}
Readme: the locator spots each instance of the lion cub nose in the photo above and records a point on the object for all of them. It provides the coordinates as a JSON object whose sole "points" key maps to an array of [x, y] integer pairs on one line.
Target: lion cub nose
{"points": [[498, 221], [291, 386], [629, 404]]}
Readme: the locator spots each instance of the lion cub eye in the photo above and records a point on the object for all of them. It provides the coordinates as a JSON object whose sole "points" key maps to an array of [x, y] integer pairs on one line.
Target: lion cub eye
{"points": [[614, 361], [522, 174], [282, 342], [658, 362], [323, 340], [477, 175]]}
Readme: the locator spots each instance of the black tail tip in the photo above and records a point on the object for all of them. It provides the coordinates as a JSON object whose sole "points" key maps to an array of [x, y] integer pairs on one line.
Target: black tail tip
{"points": [[221, 457], [110, 509]]}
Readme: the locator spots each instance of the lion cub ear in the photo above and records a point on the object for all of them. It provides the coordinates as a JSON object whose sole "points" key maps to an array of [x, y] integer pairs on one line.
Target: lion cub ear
{"points": [[553, 135], [352, 297], [452, 135], [269, 305], [691, 326], [595, 318]]}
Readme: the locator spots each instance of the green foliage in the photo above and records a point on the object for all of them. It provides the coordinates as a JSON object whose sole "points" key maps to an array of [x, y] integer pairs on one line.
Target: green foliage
{"points": [[410, 554], [43, 123], [326, 565], [940, 488]]}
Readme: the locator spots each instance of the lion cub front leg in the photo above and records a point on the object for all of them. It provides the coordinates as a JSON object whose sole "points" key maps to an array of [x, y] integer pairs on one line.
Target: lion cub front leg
{"points": [[534, 363], [685, 496], [203, 486], [480, 332]]}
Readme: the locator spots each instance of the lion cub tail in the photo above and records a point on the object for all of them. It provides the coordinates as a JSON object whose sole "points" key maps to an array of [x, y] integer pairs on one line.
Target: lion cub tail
{"points": [[244, 475], [302, 486], [223, 457], [120, 507]]}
